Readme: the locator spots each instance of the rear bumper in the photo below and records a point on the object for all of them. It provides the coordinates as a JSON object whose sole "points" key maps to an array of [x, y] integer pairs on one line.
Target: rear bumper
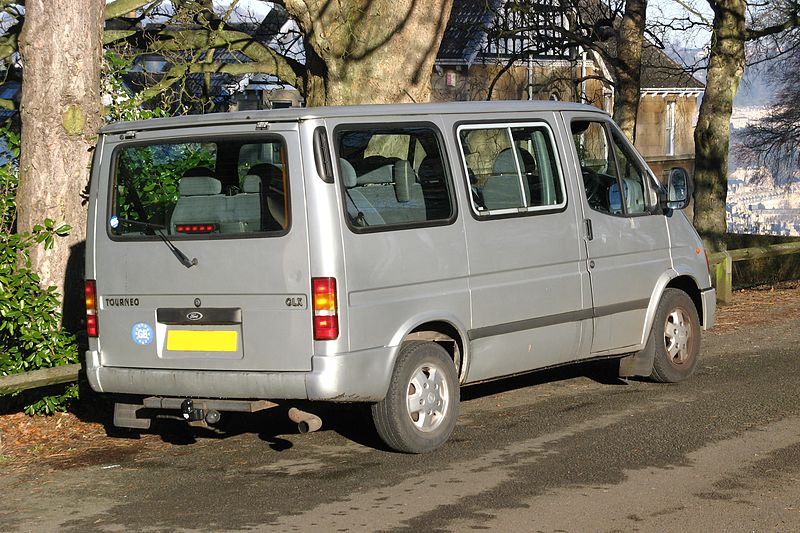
{"points": [[708, 298], [361, 376]]}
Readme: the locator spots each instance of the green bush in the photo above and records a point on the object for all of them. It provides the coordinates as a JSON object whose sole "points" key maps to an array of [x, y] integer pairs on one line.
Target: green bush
{"points": [[30, 320]]}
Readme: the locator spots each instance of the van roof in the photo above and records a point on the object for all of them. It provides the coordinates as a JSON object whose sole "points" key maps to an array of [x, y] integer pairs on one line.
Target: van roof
{"points": [[306, 113]]}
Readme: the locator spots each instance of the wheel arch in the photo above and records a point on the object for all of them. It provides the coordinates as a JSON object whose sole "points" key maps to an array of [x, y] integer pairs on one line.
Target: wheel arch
{"points": [[447, 332], [688, 285], [674, 280]]}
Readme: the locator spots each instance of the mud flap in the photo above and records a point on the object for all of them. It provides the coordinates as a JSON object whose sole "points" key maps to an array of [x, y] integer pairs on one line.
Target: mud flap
{"points": [[126, 416], [640, 363]]}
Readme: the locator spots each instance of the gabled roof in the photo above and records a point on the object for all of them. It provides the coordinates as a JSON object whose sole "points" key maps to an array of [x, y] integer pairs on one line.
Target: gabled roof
{"points": [[659, 71], [466, 30], [469, 28]]}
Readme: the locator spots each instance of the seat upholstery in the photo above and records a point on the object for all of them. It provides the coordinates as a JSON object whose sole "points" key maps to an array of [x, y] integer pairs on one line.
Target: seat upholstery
{"points": [[501, 190], [200, 202], [360, 211], [263, 188]]}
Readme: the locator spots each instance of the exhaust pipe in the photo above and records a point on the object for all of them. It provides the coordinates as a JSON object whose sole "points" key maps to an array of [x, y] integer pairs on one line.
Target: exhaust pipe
{"points": [[306, 422]]}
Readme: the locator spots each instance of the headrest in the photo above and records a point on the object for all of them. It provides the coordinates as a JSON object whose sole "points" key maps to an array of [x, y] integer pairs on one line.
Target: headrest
{"points": [[431, 168], [251, 184], [378, 176], [404, 178], [349, 176], [198, 171], [504, 162], [265, 171], [199, 186]]}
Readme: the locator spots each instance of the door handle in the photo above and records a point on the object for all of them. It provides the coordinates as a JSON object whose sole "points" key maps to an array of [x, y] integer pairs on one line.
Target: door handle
{"points": [[589, 233]]}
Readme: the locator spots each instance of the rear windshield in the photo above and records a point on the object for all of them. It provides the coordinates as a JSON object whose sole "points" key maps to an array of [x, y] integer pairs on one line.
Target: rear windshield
{"points": [[209, 188]]}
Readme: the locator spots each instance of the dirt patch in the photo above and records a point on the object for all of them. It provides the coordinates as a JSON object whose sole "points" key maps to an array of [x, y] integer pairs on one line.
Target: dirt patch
{"points": [[62, 440], [762, 305], [67, 440]]}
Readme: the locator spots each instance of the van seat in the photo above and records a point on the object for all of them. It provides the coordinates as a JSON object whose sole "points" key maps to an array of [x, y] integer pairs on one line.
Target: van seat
{"points": [[245, 207], [393, 192], [634, 197], [504, 167], [360, 211], [200, 202], [260, 205]]}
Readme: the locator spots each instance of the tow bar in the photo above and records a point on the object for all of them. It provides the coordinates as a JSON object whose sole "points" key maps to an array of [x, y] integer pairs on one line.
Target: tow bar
{"points": [[202, 412]]}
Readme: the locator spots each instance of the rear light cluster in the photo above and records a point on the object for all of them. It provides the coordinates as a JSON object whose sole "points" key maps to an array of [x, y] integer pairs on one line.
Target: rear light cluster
{"points": [[195, 228], [326, 319], [91, 308]]}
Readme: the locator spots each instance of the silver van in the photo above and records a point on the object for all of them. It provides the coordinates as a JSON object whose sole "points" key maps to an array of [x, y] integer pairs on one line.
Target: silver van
{"points": [[380, 254]]}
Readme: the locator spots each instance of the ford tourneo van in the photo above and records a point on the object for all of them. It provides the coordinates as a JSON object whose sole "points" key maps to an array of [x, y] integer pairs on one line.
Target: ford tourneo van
{"points": [[380, 254]]}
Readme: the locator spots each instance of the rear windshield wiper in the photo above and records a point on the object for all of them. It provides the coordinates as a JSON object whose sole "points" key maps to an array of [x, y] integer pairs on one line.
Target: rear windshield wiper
{"points": [[159, 230]]}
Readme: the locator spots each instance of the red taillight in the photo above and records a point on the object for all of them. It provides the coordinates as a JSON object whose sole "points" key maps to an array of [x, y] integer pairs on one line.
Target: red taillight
{"points": [[326, 320], [196, 228], [91, 307]]}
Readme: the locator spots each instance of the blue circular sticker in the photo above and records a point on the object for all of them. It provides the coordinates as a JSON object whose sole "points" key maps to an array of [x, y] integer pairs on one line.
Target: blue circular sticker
{"points": [[142, 334], [114, 222]]}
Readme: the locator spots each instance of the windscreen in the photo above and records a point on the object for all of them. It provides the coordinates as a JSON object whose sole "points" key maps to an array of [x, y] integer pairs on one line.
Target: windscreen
{"points": [[202, 188]]}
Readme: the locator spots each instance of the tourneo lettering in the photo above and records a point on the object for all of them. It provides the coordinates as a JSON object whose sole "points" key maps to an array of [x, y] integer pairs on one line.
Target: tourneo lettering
{"points": [[122, 302]]}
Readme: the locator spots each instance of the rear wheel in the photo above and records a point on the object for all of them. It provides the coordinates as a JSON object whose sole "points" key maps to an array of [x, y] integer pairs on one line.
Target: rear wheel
{"points": [[676, 331], [421, 406]]}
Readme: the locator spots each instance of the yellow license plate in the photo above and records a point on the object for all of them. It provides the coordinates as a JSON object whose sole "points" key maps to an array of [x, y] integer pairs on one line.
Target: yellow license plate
{"points": [[201, 341]]}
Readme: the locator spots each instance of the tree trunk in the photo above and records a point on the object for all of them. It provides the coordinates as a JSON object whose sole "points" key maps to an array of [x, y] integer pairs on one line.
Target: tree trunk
{"points": [[60, 45], [370, 51], [628, 66], [712, 134]]}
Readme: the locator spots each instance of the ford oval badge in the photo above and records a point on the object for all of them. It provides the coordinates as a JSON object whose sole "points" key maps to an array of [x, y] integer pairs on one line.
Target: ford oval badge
{"points": [[194, 315]]}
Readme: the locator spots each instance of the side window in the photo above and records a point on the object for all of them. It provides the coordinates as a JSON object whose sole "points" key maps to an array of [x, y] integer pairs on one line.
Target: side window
{"points": [[612, 178], [631, 176], [393, 176], [511, 167]]}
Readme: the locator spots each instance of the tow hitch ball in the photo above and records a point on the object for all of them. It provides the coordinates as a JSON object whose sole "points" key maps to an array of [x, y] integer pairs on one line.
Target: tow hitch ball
{"points": [[192, 414]]}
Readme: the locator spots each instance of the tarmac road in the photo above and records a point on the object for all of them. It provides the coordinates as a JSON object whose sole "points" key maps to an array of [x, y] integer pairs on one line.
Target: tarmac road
{"points": [[575, 450]]}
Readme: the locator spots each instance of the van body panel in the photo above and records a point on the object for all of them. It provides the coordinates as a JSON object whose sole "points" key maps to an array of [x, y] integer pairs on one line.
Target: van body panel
{"points": [[355, 376], [395, 274], [686, 251], [266, 279], [688, 259]]}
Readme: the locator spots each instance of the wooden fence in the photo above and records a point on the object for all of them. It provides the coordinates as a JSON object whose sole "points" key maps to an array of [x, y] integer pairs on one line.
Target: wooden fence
{"points": [[722, 264], [38, 378]]}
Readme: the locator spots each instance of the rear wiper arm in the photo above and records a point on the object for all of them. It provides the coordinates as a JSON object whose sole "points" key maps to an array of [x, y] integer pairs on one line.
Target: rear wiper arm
{"points": [[185, 261]]}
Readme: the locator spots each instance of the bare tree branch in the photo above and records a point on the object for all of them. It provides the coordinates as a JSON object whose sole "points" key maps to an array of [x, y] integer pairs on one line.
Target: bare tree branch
{"points": [[118, 8]]}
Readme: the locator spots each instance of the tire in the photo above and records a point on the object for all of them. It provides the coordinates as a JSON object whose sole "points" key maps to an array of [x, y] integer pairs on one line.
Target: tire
{"points": [[676, 331], [428, 422]]}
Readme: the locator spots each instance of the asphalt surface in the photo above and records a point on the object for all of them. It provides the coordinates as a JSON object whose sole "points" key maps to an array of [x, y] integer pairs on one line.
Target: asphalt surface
{"points": [[570, 450]]}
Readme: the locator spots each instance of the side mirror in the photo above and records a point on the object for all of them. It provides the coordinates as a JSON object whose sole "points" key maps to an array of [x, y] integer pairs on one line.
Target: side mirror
{"points": [[680, 187]]}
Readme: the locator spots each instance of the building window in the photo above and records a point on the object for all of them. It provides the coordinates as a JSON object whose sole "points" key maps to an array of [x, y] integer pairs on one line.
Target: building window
{"points": [[528, 32], [670, 131]]}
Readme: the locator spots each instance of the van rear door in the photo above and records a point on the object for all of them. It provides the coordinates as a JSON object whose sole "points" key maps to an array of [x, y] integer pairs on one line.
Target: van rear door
{"points": [[201, 250]]}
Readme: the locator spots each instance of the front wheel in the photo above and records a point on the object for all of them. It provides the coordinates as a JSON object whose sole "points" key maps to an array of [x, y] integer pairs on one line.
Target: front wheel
{"points": [[676, 331], [421, 406]]}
